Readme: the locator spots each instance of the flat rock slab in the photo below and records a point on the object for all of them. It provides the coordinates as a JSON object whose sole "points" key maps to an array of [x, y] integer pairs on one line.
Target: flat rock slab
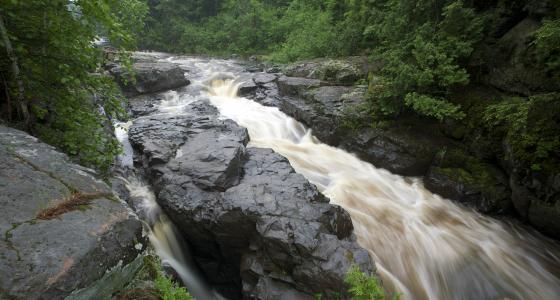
{"points": [[49, 257]]}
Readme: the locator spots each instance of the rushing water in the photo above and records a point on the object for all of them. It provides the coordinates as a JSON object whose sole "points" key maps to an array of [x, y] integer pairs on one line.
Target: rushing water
{"points": [[425, 247]]}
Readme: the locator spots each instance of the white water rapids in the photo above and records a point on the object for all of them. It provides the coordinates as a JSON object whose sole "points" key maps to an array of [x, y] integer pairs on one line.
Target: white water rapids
{"points": [[424, 247]]}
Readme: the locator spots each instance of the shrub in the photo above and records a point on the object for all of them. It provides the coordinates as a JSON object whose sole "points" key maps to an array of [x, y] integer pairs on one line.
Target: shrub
{"points": [[422, 45], [532, 128], [168, 290], [364, 287], [547, 41]]}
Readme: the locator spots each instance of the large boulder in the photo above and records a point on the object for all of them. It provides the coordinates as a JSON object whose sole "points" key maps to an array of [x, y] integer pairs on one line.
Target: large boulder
{"points": [[62, 228], [149, 76], [256, 228], [343, 71], [395, 149], [324, 110]]}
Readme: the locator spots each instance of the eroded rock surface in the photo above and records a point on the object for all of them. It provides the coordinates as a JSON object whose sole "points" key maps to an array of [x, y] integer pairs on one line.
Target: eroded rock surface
{"points": [[50, 248]]}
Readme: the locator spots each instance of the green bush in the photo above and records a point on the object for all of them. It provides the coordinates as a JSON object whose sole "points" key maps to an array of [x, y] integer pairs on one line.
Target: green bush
{"points": [[547, 41], [168, 290], [422, 45], [532, 128], [364, 287]]}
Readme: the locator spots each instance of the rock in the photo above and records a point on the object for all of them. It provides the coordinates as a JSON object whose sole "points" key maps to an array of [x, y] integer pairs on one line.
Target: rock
{"points": [[256, 228], [247, 87], [397, 150], [144, 105], [343, 71], [273, 69], [62, 227], [322, 110], [262, 88], [264, 78], [158, 138], [513, 67], [149, 77], [538, 203], [209, 169], [463, 178], [295, 86]]}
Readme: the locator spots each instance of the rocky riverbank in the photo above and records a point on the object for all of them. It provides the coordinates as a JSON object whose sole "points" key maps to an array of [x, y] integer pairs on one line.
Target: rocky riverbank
{"points": [[461, 161], [62, 229]]}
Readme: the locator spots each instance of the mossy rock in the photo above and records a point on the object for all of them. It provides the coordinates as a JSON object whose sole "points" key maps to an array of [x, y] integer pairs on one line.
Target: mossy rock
{"points": [[341, 71], [464, 178]]}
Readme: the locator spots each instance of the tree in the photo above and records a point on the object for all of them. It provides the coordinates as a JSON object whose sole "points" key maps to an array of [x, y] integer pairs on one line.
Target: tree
{"points": [[59, 79]]}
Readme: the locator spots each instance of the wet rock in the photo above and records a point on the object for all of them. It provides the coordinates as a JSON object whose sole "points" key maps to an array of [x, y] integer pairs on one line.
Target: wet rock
{"points": [[157, 138], [53, 246], [149, 77], [256, 228], [323, 110], [247, 87], [396, 150], [537, 202], [261, 88], [463, 178], [209, 169]]}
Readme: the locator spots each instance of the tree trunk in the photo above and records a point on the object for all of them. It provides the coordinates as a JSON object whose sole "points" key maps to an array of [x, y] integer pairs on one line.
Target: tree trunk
{"points": [[15, 72], [8, 100]]}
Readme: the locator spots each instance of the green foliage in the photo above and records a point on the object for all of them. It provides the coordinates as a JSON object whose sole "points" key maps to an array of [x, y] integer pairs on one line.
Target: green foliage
{"points": [[168, 290], [289, 29], [547, 41], [67, 97], [431, 107], [422, 45], [364, 287], [531, 127]]}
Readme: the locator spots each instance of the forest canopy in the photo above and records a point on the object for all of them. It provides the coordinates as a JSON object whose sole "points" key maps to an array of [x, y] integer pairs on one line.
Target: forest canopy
{"points": [[53, 83]]}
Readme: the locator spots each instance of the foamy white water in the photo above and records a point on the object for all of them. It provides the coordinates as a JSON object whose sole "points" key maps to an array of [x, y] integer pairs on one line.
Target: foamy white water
{"points": [[425, 247]]}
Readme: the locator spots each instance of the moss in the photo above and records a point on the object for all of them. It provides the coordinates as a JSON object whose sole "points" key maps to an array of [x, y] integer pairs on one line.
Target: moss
{"points": [[349, 256], [84, 207], [472, 172]]}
